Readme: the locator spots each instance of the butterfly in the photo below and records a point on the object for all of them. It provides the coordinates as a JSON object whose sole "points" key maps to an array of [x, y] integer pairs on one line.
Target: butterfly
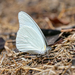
{"points": [[29, 37]]}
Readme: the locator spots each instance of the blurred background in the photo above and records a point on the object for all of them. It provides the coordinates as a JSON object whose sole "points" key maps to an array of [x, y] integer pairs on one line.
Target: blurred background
{"points": [[49, 14]]}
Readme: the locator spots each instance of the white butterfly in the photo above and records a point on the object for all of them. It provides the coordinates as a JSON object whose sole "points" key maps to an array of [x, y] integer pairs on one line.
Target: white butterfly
{"points": [[29, 36]]}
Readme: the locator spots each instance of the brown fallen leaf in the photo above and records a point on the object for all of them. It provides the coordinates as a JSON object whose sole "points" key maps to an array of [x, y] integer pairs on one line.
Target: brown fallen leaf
{"points": [[56, 20]]}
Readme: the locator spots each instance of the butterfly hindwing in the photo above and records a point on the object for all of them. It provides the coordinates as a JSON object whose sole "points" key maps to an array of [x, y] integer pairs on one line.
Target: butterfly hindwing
{"points": [[28, 40]]}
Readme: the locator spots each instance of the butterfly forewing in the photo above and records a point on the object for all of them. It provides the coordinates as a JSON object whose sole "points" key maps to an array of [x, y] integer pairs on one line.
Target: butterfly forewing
{"points": [[26, 20]]}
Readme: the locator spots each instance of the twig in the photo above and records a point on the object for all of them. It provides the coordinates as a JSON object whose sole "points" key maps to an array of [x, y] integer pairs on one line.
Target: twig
{"points": [[49, 23]]}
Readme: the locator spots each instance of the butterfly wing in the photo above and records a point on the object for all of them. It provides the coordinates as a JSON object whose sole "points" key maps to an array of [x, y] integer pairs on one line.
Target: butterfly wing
{"points": [[26, 20], [28, 40]]}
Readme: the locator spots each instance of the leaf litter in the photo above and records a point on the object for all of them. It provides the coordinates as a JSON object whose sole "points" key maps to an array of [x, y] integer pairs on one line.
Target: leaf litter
{"points": [[57, 62], [58, 29]]}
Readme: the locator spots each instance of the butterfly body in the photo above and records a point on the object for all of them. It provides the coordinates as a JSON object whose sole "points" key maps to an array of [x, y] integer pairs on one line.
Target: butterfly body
{"points": [[29, 36]]}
